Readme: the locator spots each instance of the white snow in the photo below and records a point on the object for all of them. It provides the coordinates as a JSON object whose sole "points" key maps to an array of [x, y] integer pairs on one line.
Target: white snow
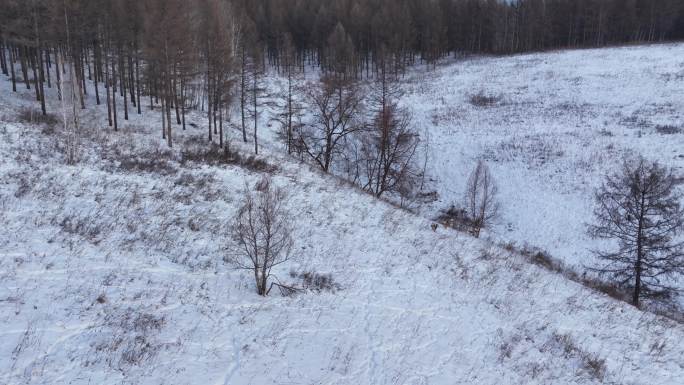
{"points": [[414, 307], [564, 121]]}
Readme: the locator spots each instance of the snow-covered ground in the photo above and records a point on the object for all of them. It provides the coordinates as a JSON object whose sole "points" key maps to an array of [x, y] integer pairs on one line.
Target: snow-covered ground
{"points": [[562, 122], [111, 271]]}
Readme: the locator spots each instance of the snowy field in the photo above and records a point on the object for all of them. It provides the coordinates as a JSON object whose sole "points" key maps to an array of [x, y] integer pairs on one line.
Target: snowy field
{"points": [[561, 122], [111, 270]]}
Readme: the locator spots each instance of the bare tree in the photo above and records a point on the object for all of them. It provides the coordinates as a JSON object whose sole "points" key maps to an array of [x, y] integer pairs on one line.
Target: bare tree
{"points": [[290, 110], [481, 203], [262, 233], [390, 142], [638, 208], [336, 104], [71, 119]]}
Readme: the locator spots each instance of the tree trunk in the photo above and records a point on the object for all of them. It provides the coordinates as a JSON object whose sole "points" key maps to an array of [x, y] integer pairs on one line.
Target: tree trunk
{"points": [[122, 79], [42, 80], [243, 87], [182, 91], [113, 87], [255, 105], [167, 92], [11, 65], [131, 81], [97, 75], [174, 91], [137, 81], [33, 59], [640, 252], [163, 116], [169, 140], [58, 75], [107, 87], [209, 105], [24, 67], [3, 58]]}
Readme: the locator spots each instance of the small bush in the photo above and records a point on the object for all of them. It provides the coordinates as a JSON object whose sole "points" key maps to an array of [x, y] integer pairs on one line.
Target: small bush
{"points": [[83, 227], [214, 155], [129, 337], [605, 132], [455, 218], [23, 188], [607, 288], [483, 100], [200, 182], [150, 164], [317, 282], [543, 259], [668, 129], [30, 115], [593, 365], [427, 196]]}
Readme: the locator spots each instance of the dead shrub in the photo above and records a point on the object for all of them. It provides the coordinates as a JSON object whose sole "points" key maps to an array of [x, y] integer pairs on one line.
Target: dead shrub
{"points": [[591, 364], [543, 259], [214, 155], [199, 182], [607, 288], [533, 150], [23, 188], [427, 196], [313, 281], [73, 225], [147, 164], [34, 116], [204, 154], [484, 100], [129, 337], [668, 129], [84, 227], [456, 218]]}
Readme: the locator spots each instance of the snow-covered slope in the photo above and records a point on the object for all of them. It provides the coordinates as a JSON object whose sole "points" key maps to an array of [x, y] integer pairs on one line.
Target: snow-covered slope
{"points": [[111, 272], [561, 122]]}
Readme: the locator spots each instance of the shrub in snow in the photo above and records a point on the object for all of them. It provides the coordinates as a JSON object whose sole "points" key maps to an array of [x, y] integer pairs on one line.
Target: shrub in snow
{"points": [[30, 115], [483, 100], [314, 281], [668, 129]]}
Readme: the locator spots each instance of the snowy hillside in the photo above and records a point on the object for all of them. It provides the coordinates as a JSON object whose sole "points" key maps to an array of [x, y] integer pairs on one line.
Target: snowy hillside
{"points": [[557, 124], [111, 271]]}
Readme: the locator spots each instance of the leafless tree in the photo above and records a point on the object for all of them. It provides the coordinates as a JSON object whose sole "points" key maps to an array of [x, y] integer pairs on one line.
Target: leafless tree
{"points": [[638, 208], [68, 101], [481, 203], [290, 109], [390, 142], [262, 233], [336, 104]]}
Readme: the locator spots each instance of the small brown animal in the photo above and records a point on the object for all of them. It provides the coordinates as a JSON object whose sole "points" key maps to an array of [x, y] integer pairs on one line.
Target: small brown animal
{"points": [[434, 226]]}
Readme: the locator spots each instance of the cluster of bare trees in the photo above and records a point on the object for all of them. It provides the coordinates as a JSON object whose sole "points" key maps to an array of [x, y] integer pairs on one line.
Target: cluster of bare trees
{"points": [[359, 132], [209, 55], [350, 33], [180, 54]]}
